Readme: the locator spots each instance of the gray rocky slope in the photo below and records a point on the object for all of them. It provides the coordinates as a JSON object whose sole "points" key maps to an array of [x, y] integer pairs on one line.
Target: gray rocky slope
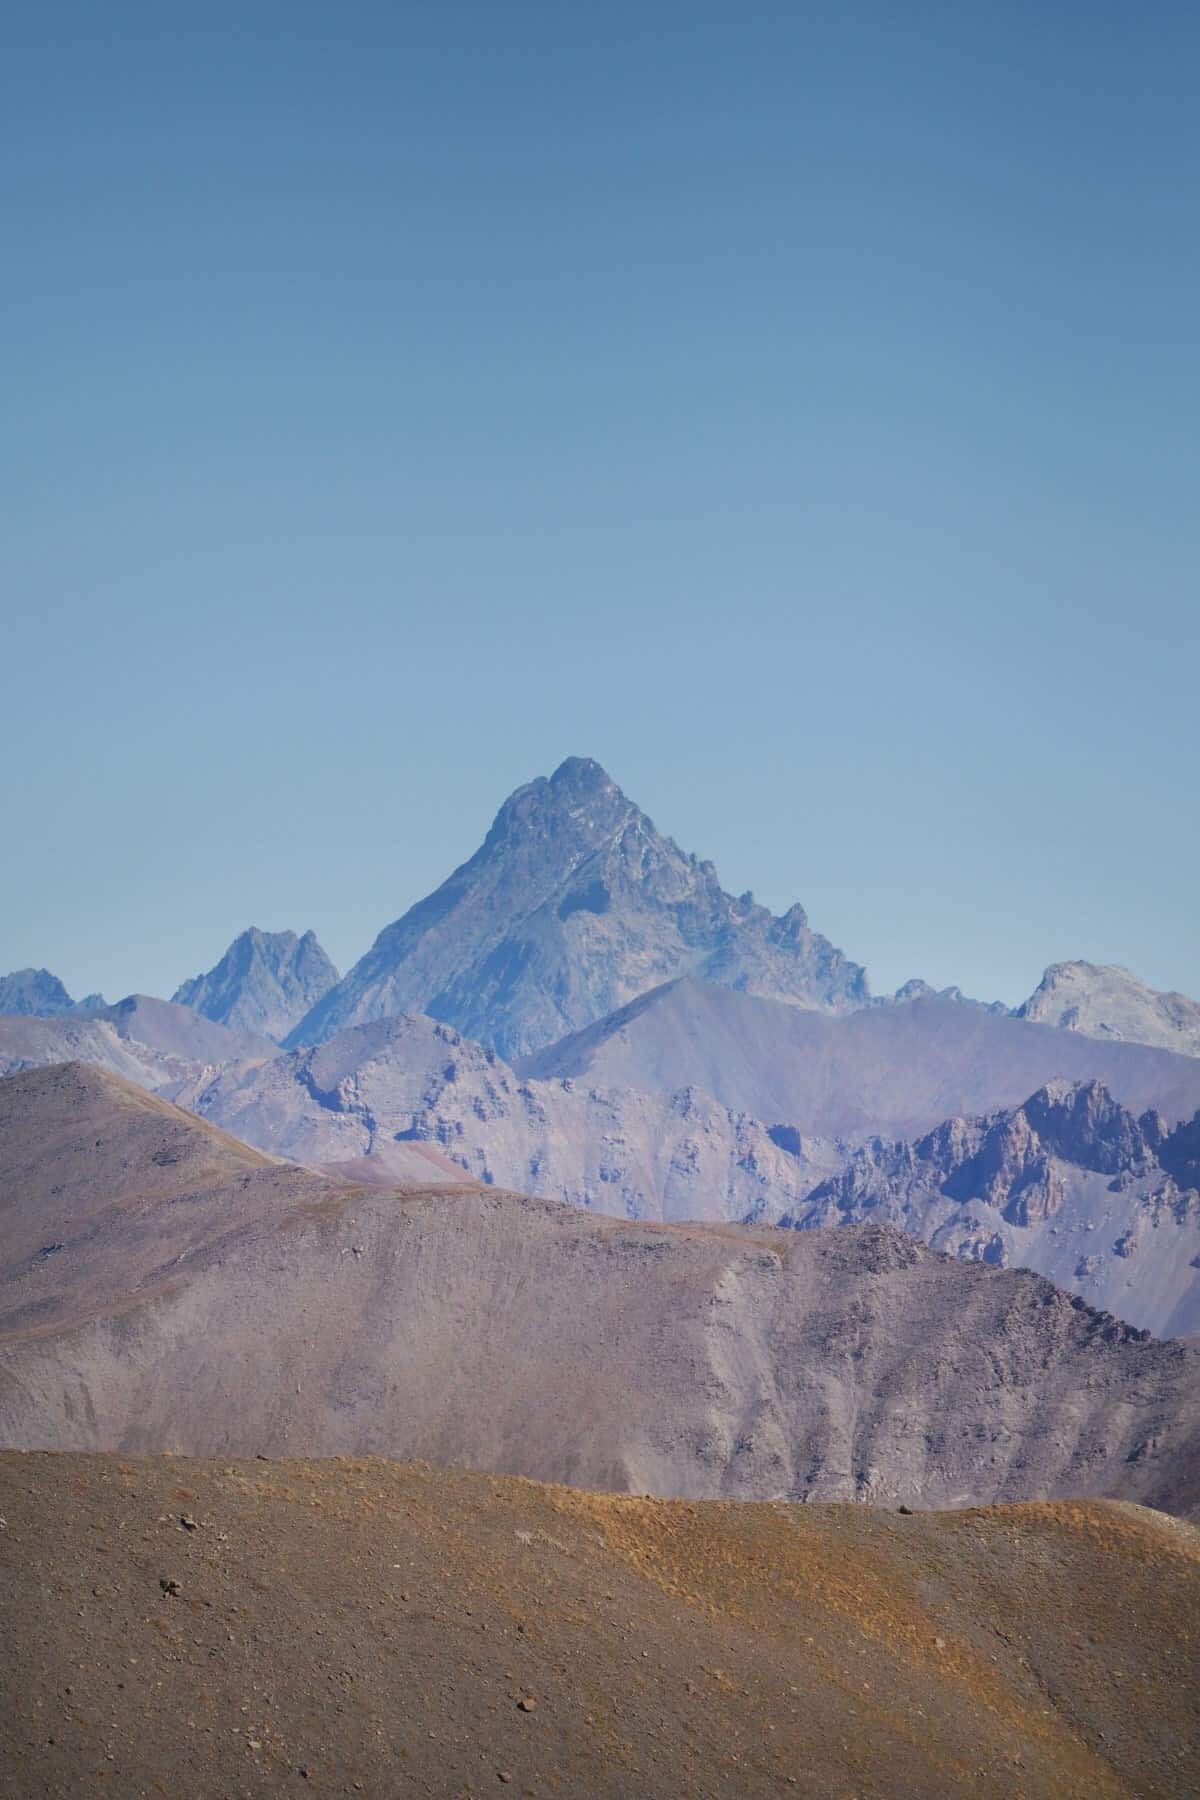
{"points": [[1101, 1000], [265, 982], [475, 1326], [37, 994], [1102, 1201], [377, 1091], [573, 905]]}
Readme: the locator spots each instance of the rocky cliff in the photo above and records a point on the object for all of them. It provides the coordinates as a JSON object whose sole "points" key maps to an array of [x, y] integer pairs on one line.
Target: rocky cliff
{"points": [[1070, 1183]]}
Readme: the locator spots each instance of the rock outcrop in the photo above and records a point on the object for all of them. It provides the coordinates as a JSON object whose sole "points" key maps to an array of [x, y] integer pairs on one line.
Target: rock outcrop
{"points": [[377, 1091], [573, 905], [265, 982], [1101, 1000], [1102, 1201]]}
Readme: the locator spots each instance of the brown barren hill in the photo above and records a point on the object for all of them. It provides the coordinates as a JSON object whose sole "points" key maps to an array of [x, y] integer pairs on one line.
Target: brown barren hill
{"points": [[106, 1190], [199, 1298], [353, 1627]]}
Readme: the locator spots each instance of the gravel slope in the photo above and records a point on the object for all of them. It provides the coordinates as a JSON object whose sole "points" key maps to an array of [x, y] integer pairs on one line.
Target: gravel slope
{"points": [[345, 1628]]}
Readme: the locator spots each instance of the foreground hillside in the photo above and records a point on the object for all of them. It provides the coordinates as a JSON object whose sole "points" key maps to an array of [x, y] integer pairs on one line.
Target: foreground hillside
{"points": [[231, 1627], [164, 1287]]}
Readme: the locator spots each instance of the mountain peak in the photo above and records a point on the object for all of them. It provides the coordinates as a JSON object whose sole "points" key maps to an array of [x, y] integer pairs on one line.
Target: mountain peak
{"points": [[37, 994], [1103, 1000], [264, 983], [574, 905], [581, 773]]}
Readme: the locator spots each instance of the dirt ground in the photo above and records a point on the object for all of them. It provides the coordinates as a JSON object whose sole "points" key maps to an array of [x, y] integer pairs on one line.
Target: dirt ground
{"points": [[237, 1628]]}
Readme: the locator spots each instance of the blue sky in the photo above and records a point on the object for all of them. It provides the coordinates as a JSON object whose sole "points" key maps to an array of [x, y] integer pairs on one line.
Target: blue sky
{"points": [[792, 406]]}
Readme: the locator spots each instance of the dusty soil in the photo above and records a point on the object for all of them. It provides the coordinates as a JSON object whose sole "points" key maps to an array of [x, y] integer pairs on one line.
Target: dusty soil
{"points": [[239, 1628]]}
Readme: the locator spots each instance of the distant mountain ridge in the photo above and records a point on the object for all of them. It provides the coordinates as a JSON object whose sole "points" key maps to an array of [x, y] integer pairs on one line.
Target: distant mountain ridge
{"points": [[1070, 1183], [634, 1130], [895, 1070], [265, 982], [371, 1096], [1101, 1000], [37, 994], [573, 905], [152, 1042]]}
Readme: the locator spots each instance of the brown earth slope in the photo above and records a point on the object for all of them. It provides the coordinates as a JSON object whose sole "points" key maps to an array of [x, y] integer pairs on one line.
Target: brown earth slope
{"points": [[104, 1188], [339, 1628], [218, 1303]]}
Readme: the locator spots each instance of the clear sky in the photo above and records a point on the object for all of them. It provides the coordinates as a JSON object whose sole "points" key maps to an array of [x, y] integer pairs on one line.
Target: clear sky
{"points": [[793, 406]]}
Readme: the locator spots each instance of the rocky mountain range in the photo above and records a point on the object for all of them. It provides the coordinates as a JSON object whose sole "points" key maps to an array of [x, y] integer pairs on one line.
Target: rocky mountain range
{"points": [[37, 994], [1070, 1183], [630, 1129], [364, 1101], [573, 905], [614, 1136], [265, 983], [165, 1286], [734, 1090], [1103, 1001]]}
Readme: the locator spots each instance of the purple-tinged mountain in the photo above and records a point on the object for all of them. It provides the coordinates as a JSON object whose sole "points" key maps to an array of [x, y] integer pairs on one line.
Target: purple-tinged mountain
{"points": [[879, 1071], [1101, 1000], [265, 982], [574, 905], [1101, 1200], [917, 989], [148, 1041], [37, 994], [375, 1098]]}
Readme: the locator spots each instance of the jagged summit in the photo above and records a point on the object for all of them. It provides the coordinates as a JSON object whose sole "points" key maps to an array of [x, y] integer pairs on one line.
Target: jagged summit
{"points": [[1099, 1198], [573, 905], [37, 994], [265, 982]]}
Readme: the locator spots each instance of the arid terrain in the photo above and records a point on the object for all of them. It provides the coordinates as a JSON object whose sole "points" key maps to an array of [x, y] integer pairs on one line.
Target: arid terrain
{"points": [[167, 1288], [237, 1628]]}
